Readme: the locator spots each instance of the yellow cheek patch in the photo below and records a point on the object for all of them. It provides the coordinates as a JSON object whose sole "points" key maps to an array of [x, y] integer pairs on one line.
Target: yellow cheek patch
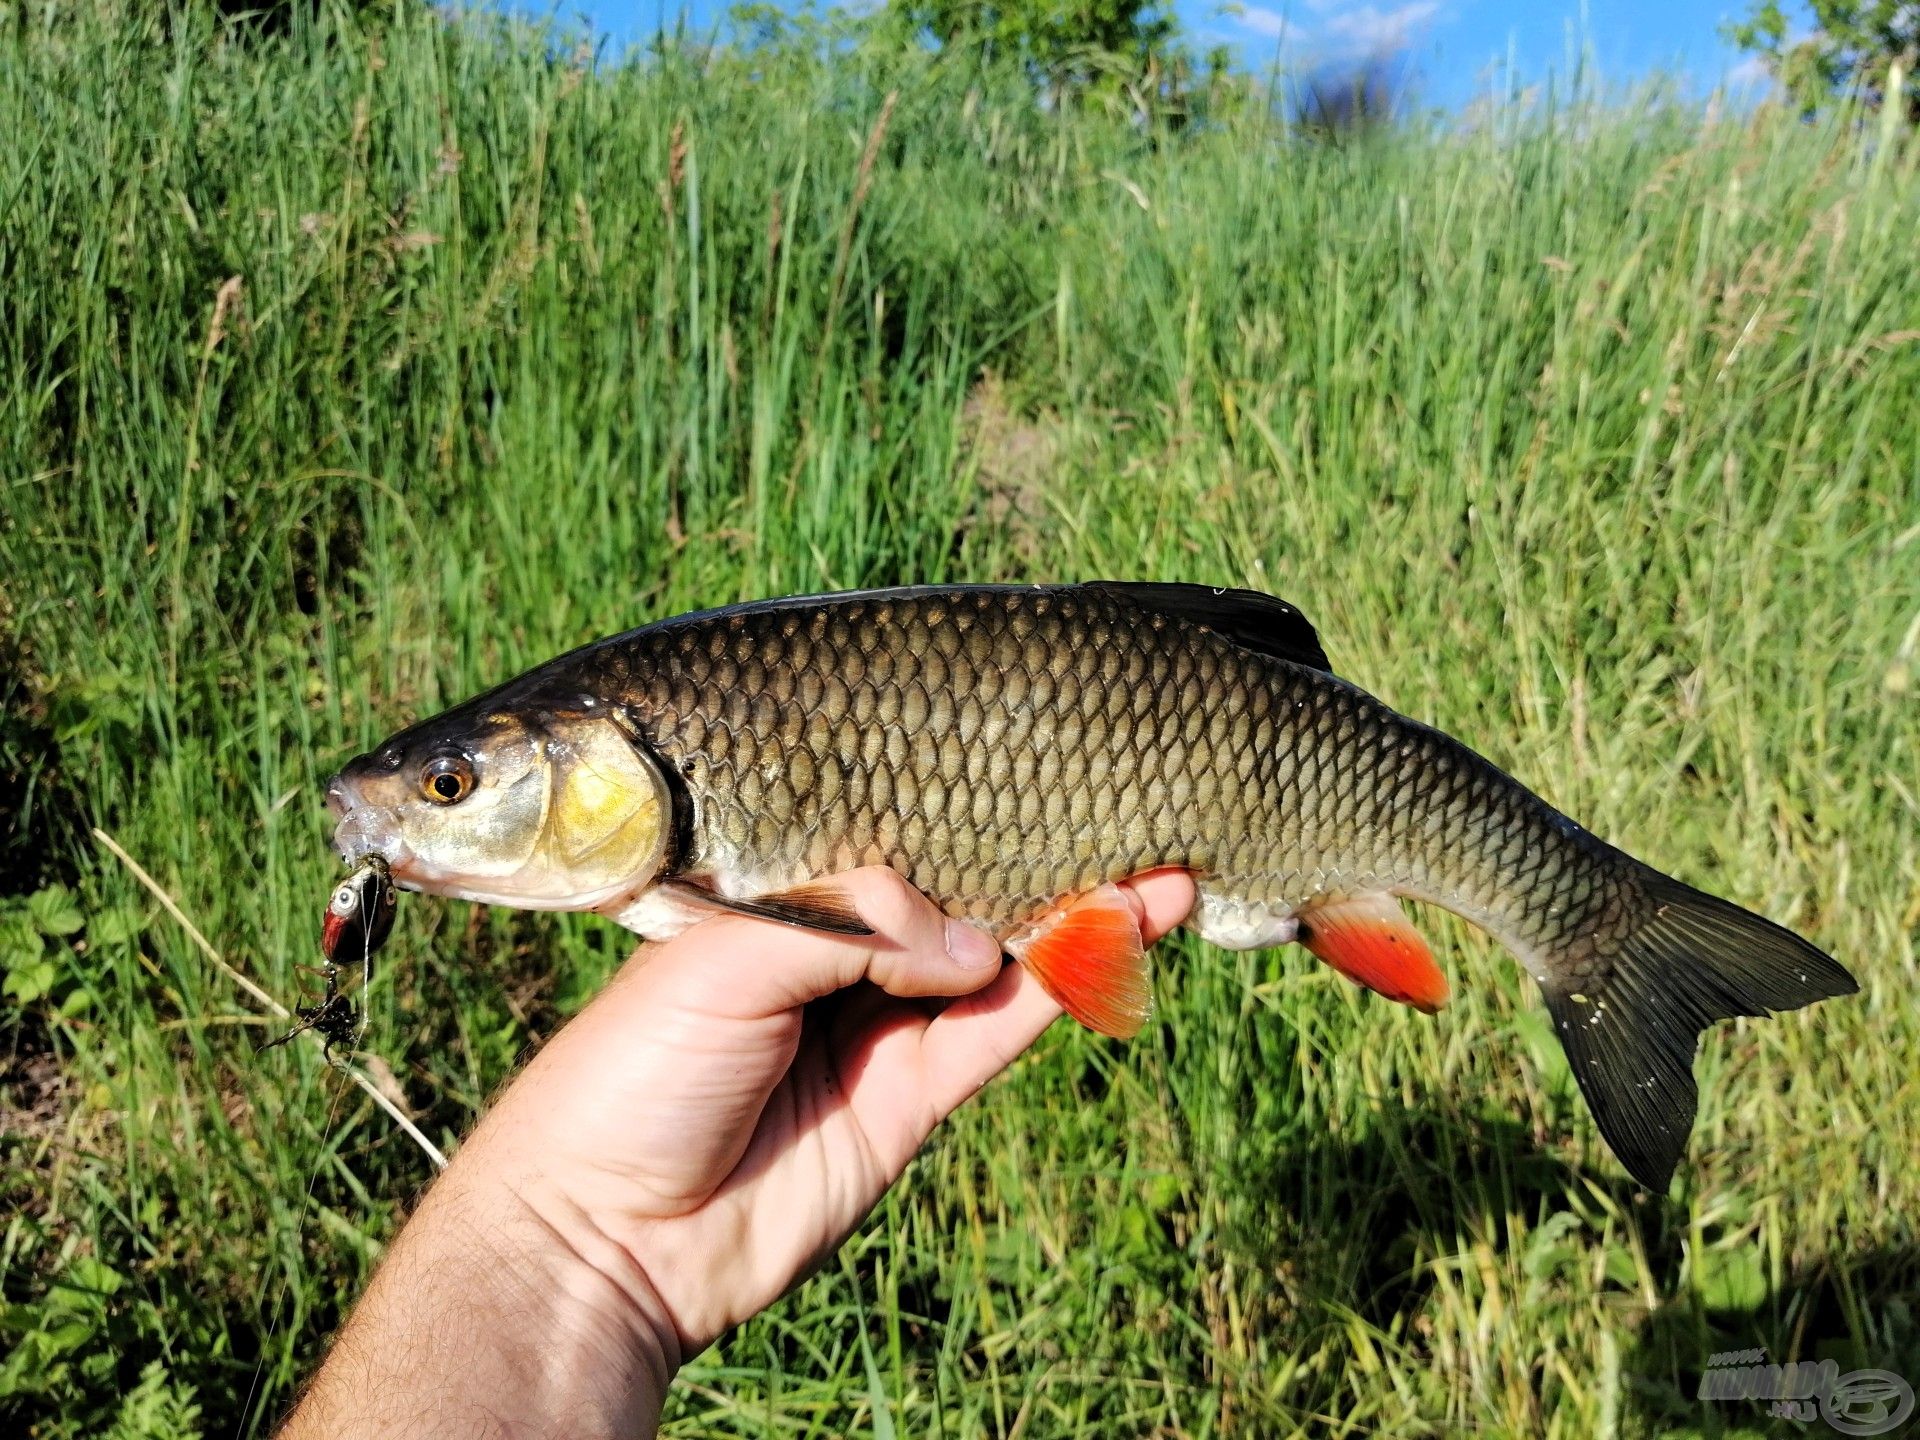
{"points": [[607, 815]]}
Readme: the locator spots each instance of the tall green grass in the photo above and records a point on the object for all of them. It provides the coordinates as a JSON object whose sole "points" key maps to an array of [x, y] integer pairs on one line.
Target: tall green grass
{"points": [[343, 374]]}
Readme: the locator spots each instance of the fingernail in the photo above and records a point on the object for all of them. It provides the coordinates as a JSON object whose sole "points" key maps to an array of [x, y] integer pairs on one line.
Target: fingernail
{"points": [[974, 949]]}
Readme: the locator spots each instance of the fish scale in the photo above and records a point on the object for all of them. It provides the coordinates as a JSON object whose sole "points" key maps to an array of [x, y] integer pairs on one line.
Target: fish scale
{"points": [[1005, 749], [1013, 750]]}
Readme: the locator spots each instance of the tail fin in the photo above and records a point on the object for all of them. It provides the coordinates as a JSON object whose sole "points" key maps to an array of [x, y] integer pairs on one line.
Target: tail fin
{"points": [[1632, 1037]]}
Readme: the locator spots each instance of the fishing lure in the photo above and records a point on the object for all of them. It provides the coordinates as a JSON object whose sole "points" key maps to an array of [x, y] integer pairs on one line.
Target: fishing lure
{"points": [[358, 920]]}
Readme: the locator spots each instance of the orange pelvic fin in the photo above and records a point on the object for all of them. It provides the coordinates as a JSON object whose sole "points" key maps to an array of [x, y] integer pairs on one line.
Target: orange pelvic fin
{"points": [[1368, 939], [1087, 954]]}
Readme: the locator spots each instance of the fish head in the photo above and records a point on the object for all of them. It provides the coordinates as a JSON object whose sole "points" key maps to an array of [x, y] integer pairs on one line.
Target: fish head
{"points": [[549, 807]]}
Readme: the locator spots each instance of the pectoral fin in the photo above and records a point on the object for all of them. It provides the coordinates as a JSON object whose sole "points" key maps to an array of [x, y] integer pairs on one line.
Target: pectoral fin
{"points": [[818, 906], [1368, 939], [1087, 954]]}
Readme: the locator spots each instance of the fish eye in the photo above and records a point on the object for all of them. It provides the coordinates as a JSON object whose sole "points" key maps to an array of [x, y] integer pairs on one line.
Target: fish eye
{"points": [[345, 900], [447, 780]]}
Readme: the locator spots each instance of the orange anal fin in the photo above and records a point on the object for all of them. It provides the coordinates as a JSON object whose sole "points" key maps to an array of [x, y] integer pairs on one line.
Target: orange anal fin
{"points": [[1087, 954], [1369, 939]]}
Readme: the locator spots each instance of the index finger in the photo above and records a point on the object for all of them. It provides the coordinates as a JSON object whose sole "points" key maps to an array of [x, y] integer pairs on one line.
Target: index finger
{"points": [[766, 968], [1165, 897]]}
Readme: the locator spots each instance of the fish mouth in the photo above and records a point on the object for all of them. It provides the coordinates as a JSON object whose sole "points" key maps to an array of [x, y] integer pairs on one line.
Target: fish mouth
{"points": [[367, 830]]}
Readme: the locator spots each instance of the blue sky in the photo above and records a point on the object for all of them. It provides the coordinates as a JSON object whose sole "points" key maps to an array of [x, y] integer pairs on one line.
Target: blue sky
{"points": [[1451, 45]]}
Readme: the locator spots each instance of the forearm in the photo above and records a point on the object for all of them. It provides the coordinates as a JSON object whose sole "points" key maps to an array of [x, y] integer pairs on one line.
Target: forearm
{"points": [[498, 1312]]}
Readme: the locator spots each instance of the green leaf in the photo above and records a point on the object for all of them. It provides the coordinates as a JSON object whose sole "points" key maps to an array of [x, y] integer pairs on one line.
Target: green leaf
{"points": [[32, 1368], [27, 983], [116, 925], [89, 1274], [100, 704], [158, 1408], [20, 942], [54, 912], [1622, 1269], [1162, 1192], [1732, 1279], [98, 1367], [1549, 1250], [65, 1339]]}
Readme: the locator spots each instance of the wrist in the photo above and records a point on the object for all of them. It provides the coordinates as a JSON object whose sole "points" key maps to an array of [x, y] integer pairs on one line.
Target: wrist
{"points": [[502, 1312], [608, 1292], [603, 1344]]}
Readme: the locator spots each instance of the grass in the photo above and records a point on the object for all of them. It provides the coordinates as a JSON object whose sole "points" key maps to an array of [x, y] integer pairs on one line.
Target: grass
{"points": [[344, 374]]}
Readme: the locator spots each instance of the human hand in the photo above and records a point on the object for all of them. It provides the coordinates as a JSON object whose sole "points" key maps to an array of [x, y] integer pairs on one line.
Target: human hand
{"points": [[712, 1126], [726, 1136]]}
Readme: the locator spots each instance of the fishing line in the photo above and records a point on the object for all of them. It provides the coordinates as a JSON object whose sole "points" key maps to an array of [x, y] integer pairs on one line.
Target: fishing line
{"points": [[401, 1120], [299, 1236], [369, 942]]}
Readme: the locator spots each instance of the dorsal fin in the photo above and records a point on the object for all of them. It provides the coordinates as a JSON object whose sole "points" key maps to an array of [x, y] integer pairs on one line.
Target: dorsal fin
{"points": [[1246, 618], [1249, 619]]}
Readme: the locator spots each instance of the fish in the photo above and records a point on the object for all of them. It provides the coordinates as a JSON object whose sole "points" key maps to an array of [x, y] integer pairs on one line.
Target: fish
{"points": [[1014, 752]]}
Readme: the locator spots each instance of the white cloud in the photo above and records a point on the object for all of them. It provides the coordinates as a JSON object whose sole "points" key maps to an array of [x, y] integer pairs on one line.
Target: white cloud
{"points": [[1333, 31], [1262, 21], [1368, 30], [1750, 74]]}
